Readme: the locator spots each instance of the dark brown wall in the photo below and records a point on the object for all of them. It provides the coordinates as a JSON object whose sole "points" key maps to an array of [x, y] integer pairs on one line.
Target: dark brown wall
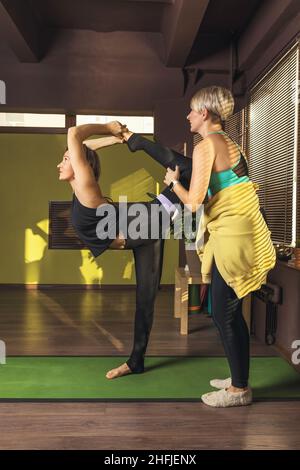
{"points": [[99, 72], [96, 72], [171, 125]]}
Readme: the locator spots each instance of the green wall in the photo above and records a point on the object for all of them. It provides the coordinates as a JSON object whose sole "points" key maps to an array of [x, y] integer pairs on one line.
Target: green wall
{"points": [[29, 179]]}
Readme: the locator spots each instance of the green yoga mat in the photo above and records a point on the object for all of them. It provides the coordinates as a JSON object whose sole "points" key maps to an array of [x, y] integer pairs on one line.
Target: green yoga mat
{"points": [[166, 378]]}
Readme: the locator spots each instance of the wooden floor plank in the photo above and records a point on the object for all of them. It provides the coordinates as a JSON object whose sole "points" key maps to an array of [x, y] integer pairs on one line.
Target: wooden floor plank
{"points": [[149, 426]]}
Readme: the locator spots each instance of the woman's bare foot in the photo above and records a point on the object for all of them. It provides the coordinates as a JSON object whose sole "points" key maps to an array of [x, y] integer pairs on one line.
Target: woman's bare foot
{"points": [[118, 371]]}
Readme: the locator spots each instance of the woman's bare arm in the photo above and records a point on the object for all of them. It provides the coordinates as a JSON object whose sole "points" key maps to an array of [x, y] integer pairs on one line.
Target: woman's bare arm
{"points": [[95, 144], [76, 136], [203, 159]]}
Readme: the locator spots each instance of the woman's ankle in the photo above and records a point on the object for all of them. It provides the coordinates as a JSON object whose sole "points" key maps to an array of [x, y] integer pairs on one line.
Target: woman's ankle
{"points": [[234, 389], [135, 368]]}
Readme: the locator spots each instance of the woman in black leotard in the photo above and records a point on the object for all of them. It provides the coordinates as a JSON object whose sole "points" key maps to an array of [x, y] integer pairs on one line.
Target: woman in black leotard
{"points": [[80, 167]]}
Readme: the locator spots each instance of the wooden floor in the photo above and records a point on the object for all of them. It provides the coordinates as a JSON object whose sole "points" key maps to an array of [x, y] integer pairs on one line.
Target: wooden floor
{"points": [[75, 322]]}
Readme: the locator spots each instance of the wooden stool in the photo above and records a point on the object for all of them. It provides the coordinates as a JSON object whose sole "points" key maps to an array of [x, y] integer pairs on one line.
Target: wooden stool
{"points": [[182, 280], [181, 298]]}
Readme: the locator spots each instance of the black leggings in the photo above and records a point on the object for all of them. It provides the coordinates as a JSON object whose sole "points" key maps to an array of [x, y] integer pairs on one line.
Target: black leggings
{"points": [[228, 318], [148, 255]]}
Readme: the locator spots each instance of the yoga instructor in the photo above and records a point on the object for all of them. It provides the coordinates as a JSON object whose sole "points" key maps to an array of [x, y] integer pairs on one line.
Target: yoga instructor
{"points": [[234, 242]]}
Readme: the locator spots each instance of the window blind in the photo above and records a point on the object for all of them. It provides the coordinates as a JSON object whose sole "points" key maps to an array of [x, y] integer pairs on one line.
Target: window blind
{"points": [[297, 147], [234, 127], [271, 144]]}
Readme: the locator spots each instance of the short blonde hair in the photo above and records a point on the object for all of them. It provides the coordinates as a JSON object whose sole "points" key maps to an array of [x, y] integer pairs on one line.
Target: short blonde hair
{"points": [[217, 100]]}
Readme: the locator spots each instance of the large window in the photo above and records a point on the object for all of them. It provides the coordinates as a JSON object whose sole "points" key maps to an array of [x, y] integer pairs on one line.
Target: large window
{"points": [[139, 124], [272, 119], [59, 123], [32, 120]]}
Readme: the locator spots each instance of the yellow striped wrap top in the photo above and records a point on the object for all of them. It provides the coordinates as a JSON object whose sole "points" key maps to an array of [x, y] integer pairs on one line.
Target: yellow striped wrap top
{"points": [[233, 231]]}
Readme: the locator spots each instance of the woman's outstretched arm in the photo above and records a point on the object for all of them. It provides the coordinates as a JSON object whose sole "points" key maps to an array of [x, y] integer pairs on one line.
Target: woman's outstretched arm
{"points": [[76, 137], [95, 144]]}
